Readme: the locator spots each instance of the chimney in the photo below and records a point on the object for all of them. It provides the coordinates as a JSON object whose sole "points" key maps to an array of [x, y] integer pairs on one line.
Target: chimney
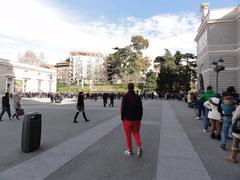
{"points": [[204, 9]]}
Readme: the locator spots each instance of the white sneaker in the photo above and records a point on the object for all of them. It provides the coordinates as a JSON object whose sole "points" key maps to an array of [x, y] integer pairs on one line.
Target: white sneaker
{"points": [[128, 153], [205, 130], [197, 118], [139, 152]]}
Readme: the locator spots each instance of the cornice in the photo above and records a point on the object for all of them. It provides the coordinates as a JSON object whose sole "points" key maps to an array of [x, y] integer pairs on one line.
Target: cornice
{"points": [[207, 21], [201, 56]]}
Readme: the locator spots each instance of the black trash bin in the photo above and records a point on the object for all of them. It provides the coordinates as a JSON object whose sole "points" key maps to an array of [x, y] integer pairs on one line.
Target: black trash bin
{"points": [[31, 131]]}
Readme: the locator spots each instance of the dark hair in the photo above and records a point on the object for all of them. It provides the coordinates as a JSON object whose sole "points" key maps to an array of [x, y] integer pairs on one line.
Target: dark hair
{"points": [[130, 86], [217, 95], [209, 88], [231, 89], [6, 94]]}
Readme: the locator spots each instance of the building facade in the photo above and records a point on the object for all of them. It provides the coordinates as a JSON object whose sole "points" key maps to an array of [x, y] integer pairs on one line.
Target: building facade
{"points": [[64, 71], [86, 67], [26, 78], [219, 37]]}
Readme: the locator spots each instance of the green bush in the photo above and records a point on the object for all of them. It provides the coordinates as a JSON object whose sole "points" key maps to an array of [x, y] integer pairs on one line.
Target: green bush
{"points": [[101, 87]]}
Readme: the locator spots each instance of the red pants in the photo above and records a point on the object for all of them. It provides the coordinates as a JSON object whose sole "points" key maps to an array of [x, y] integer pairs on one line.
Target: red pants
{"points": [[132, 127]]}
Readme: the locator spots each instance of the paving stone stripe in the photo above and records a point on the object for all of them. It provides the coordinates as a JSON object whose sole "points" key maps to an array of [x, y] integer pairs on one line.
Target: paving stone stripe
{"points": [[152, 123], [46, 163], [177, 158]]}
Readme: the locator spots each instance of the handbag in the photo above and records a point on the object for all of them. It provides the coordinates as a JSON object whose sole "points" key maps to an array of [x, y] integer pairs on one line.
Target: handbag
{"points": [[79, 108], [20, 112], [236, 126]]}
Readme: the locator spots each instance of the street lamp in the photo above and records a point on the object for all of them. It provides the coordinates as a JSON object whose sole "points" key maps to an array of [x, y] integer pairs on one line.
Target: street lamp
{"points": [[217, 67]]}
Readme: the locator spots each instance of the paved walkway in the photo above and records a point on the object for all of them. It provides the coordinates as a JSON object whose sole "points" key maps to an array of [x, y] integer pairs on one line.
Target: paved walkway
{"points": [[177, 158]]}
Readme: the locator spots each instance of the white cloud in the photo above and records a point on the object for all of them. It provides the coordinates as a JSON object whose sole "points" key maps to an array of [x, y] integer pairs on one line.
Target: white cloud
{"points": [[30, 24]]}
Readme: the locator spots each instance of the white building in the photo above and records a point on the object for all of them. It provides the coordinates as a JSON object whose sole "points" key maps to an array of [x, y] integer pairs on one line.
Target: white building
{"points": [[86, 67], [219, 37], [25, 78]]}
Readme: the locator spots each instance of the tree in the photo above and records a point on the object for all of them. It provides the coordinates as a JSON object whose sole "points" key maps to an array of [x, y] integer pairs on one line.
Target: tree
{"points": [[176, 72], [139, 43], [128, 63], [151, 80], [29, 57]]}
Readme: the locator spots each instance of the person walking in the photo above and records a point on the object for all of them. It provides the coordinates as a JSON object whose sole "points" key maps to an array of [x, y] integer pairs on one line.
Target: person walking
{"points": [[131, 116], [204, 97], [111, 97], [105, 98], [5, 106], [236, 139], [80, 108], [16, 104]]}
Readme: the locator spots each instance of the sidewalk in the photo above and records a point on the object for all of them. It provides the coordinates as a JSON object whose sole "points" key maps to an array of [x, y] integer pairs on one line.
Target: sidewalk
{"points": [[207, 148], [177, 157]]}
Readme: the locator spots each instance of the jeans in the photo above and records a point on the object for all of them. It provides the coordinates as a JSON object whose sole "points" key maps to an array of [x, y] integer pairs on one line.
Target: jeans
{"points": [[3, 111], [230, 131], [227, 121], [206, 120]]}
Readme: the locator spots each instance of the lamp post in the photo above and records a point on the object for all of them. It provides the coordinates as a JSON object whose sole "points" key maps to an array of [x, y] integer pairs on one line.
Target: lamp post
{"points": [[217, 67]]}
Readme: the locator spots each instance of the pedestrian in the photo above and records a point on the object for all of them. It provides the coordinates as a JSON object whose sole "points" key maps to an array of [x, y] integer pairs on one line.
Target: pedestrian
{"points": [[212, 104], [204, 97], [230, 91], [236, 139], [5, 106], [105, 98], [16, 104], [80, 108], [131, 116], [198, 108], [111, 97], [227, 108]]}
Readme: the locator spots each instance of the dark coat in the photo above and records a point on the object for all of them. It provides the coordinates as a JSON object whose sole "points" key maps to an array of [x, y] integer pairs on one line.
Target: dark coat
{"points": [[80, 102], [131, 107], [5, 102]]}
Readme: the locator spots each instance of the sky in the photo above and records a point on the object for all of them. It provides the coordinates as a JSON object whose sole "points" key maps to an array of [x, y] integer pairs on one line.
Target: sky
{"points": [[55, 27]]}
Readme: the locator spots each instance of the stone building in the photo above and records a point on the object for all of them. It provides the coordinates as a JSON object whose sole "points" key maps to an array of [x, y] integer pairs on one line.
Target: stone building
{"points": [[25, 78], [64, 71], [219, 37]]}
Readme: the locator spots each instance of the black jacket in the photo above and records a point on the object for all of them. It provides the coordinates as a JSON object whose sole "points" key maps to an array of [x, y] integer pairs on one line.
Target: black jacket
{"points": [[131, 108], [5, 102], [80, 101]]}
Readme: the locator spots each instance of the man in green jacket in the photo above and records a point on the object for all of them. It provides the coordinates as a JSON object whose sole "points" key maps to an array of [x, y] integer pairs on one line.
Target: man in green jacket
{"points": [[204, 97]]}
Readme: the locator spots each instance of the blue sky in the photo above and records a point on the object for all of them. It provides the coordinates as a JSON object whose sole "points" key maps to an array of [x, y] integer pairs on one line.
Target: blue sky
{"points": [[113, 10], [56, 27]]}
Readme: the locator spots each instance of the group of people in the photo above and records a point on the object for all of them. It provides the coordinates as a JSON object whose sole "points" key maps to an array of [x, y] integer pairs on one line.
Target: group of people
{"points": [[220, 111], [131, 116], [105, 97], [6, 105]]}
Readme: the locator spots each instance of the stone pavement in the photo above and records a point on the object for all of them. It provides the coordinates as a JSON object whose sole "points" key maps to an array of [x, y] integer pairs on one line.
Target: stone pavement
{"points": [[94, 150], [176, 153]]}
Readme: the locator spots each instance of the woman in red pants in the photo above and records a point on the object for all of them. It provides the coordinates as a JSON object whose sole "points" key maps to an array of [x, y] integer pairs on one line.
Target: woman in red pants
{"points": [[131, 115]]}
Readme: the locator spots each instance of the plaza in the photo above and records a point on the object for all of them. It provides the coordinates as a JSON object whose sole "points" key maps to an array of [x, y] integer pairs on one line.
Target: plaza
{"points": [[173, 142]]}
